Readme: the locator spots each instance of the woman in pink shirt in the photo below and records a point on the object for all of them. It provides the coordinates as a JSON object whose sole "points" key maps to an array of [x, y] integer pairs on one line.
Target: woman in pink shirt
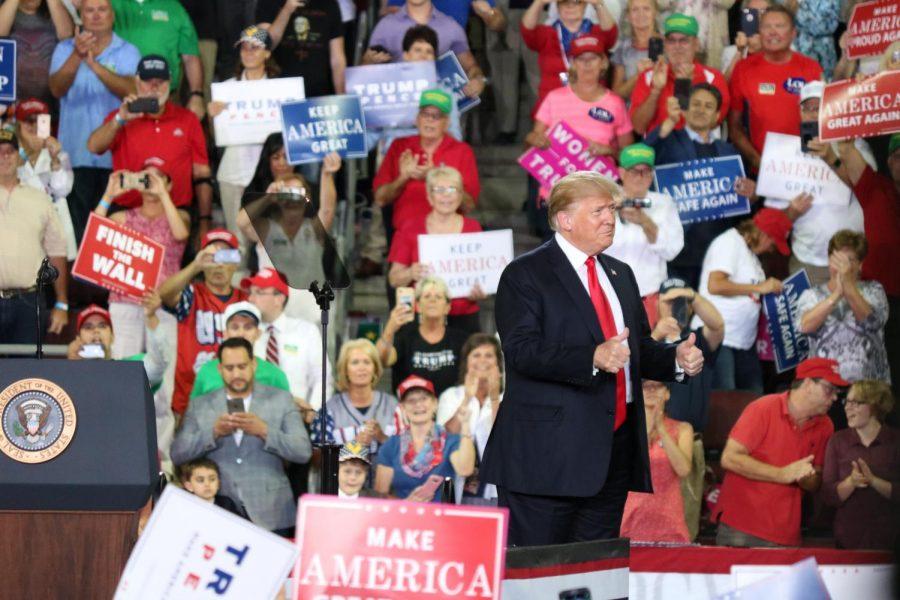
{"points": [[586, 104]]}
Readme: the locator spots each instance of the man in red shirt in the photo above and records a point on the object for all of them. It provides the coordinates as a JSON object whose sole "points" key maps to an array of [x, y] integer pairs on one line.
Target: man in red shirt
{"points": [[199, 307], [879, 197], [768, 83], [774, 453], [172, 133], [400, 181], [655, 86]]}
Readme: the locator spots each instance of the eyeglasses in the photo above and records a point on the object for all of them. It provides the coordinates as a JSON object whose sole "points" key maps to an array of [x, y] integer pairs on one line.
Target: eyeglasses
{"points": [[678, 41], [830, 390], [852, 403], [444, 189], [573, 2], [432, 115], [261, 293], [645, 172]]}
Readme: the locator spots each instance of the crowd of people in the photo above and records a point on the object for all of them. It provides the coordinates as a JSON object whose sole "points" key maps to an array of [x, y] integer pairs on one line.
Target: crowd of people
{"points": [[234, 354]]}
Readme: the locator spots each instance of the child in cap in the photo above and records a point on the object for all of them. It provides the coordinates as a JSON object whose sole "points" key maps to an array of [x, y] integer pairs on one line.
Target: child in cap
{"points": [[353, 471], [95, 335], [201, 477]]}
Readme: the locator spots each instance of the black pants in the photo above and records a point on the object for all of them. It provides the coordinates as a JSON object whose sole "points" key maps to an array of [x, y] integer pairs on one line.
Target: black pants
{"points": [[87, 189], [17, 319], [544, 520]]}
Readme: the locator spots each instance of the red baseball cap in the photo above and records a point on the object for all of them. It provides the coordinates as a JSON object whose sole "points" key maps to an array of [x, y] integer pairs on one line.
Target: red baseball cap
{"points": [[586, 43], [414, 382], [90, 311], [821, 368], [30, 107], [776, 225], [266, 278], [219, 235]]}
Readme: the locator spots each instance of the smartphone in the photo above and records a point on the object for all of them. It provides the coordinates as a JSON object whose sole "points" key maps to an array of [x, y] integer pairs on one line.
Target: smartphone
{"points": [[235, 405], [808, 131], [683, 92], [134, 181], [655, 48], [92, 351], [43, 126], [406, 296], [680, 311], [431, 486], [227, 256], [379, 48], [575, 594], [636, 203], [750, 21], [147, 104]]}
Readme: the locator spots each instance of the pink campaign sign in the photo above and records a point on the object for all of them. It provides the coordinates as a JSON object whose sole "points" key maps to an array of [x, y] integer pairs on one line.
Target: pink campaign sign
{"points": [[568, 152]]}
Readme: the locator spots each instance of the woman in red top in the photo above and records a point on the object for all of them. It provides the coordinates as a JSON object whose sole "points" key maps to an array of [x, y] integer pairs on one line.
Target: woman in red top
{"points": [[445, 193], [552, 42], [659, 517]]}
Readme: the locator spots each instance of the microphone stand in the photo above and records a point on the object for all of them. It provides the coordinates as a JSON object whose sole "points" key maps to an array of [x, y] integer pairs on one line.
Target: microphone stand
{"points": [[328, 477], [46, 275]]}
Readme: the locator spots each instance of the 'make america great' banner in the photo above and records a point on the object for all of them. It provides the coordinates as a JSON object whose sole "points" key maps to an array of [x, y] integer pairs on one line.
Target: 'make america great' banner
{"points": [[400, 550], [852, 109]]}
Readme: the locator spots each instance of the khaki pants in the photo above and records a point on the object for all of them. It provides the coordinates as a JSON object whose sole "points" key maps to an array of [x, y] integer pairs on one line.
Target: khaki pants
{"points": [[208, 50]]}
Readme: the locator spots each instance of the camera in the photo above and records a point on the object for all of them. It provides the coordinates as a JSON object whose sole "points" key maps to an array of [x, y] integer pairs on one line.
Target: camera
{"points": [[134, 181], [92, 351], [145, 104], [227, 256], [635, 203], [808, 131]]}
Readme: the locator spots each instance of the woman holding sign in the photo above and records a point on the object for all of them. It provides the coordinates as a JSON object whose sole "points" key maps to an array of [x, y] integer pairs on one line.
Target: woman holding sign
{"points": [[844, 318], [444, 188], [157, 218]]}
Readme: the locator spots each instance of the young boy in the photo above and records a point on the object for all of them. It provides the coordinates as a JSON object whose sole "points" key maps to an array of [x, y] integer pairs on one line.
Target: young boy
{"points": [[201, 478], [353, 470]]}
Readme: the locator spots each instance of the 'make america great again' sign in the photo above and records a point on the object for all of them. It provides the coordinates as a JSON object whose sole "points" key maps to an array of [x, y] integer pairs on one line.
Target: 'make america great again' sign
{"points": [[852, 109]]}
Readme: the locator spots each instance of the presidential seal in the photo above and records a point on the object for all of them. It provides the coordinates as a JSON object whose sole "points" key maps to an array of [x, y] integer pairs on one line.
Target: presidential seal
{"points": [[37, 420]]}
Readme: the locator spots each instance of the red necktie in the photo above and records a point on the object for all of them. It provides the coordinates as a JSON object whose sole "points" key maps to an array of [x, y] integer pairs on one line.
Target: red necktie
{"points": [[608, 326], [272, 347]]}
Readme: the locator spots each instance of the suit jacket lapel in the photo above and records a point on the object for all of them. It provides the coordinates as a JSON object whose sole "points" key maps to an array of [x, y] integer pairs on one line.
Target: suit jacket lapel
{"points": [[623, 294], [563, 270]]}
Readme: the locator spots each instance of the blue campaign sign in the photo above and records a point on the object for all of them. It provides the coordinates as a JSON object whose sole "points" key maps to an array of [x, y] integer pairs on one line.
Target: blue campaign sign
{"points": [[389, 93], [789, 345], [703, 189], [7, 70], [318, 126], [451, 76]]}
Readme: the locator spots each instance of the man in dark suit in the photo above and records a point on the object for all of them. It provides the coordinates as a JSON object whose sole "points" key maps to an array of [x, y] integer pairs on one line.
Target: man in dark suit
{"points": [[570, 440]]}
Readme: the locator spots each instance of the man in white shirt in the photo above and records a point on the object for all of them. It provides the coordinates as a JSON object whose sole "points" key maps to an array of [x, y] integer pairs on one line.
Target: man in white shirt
{"points": [[648, 229], [293, 344], [816, 218]]}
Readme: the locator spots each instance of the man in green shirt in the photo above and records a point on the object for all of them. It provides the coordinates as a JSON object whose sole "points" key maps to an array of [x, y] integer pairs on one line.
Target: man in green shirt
{"points": [[241, 320], [164, 27]]}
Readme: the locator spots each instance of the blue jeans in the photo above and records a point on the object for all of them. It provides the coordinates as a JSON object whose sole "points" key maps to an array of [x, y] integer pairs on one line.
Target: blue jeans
{"points": [[737, 370], [17, 320]]}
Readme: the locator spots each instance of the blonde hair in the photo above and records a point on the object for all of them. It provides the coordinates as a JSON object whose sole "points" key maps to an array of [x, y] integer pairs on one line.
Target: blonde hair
{"points": [[886, 61], [443, 173], [574, 187], [343, 382], [437, 282], [877, 394], [654, 6]]}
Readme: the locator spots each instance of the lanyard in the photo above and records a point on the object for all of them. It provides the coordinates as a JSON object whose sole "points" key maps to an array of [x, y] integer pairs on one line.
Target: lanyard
{"points": [[565, 37]]}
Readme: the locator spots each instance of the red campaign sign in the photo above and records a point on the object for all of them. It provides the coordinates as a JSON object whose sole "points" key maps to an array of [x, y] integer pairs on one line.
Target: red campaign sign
{"points": [[865, 109], [873, 27], [381, 549], [118, 258]]}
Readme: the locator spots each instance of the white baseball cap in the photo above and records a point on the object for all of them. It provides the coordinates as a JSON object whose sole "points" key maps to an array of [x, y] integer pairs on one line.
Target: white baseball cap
{"points": [[243, 308], [812, 89]]}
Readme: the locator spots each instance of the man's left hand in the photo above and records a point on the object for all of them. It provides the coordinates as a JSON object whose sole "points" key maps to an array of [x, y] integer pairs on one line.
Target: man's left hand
{"points": [[474, 88], [688, 356], [251, 424], [196, 106]]}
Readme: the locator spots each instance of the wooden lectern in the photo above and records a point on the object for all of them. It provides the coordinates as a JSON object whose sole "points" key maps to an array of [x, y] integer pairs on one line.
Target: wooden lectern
{"points": [[68, 523]]}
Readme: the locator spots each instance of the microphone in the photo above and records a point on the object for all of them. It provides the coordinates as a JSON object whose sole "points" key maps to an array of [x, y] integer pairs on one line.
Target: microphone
{"points": [[47, 273]]}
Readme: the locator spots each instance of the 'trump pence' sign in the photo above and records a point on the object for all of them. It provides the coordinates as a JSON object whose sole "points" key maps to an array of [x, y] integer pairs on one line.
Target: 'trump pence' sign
{"points": [[253, 108], [118, 258], [194, 549], [399, 550], [464, 259]]}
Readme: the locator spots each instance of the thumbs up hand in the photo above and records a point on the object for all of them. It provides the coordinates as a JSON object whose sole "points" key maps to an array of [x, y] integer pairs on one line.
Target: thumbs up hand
{"points": [[613, 354], [688, 355]]}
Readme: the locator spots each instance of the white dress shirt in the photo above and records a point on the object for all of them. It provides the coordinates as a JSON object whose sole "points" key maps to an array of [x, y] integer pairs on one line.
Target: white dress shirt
{"points": [[299, 356], [648, 260], [577, 259]]}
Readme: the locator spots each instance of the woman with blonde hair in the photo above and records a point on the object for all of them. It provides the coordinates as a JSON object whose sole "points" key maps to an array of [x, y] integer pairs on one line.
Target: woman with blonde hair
{"points": [[444, 188], [429, 347], [358, 412], [631, 56], [861, 476]]}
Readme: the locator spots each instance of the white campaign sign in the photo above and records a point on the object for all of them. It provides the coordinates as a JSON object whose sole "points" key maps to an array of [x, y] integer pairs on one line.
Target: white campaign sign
{"points": [[194, 549], [253, 108], [464, 259], [785, 172]]}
